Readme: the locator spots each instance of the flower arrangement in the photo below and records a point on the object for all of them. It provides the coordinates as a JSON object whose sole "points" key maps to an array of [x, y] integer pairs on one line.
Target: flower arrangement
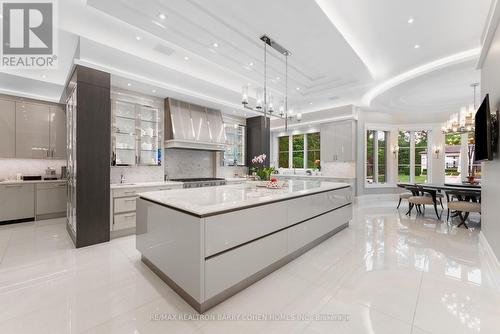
{"points": [[317, 163], [258, 167]]}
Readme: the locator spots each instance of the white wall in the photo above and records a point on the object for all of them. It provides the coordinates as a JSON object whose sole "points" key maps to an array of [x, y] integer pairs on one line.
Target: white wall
{"points": [[490, 83]]}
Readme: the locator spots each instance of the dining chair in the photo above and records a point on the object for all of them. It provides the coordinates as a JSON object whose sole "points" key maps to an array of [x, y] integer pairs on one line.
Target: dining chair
{"points": [[404, 195], [464, 203], [421, 197]]}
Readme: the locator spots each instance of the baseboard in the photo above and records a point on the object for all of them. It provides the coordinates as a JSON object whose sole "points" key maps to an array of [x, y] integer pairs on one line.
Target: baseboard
{"points": [[491, 259], [375, 198]]}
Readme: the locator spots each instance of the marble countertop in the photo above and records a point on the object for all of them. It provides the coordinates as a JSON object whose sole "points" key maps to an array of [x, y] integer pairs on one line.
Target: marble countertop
{"points": [[6, 182], [144, 184], [213, 200]]}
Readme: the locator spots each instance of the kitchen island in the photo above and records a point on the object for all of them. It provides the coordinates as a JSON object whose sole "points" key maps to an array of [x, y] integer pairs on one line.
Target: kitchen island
{"points": [[209, 243]]}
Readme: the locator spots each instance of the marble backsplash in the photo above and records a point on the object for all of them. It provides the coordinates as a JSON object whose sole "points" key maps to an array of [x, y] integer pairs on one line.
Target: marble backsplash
{"points": [[9, 168], [181, 163], [136, 174], [339, 169]]}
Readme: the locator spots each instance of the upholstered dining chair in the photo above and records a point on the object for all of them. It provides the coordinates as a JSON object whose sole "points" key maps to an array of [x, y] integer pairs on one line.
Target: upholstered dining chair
{"points": [[422, 197], [404, 195], [464, 203]]}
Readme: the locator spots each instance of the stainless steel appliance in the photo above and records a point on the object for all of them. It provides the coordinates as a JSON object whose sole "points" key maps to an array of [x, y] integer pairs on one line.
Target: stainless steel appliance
{"points": [[200, 182]]}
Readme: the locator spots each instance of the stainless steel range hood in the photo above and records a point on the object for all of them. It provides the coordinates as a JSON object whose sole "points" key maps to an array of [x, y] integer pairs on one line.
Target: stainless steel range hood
{"points": [[194, 127]]}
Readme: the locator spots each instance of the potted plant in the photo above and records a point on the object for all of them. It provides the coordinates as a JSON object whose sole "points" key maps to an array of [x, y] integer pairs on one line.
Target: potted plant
{"points": [[259, 168]]}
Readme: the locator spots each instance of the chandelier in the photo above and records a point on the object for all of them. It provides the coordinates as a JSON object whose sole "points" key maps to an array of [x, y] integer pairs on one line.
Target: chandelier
{"points": [[264, 100], [463, 121]]}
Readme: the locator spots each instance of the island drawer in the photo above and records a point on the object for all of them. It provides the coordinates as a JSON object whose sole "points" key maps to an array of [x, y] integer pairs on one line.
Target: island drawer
{"points": [[124, 204], [123, 221], [232, 229], [308, 231], [302, 208], [225, 270]]}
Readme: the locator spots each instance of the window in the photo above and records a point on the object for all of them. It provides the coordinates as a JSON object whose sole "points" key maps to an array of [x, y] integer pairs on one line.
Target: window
{"points": [[298, 151], [313, 149], [421, 156], [459, 157], [413, 156], [376, 156], [404, 156], [283, 151]]}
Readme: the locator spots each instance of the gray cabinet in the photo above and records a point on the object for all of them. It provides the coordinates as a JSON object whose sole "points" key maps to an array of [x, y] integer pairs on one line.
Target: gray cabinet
{"points": [[51, 199], [32, 130], [338, 142], [7, 129], [17, 201], [57, 132]]}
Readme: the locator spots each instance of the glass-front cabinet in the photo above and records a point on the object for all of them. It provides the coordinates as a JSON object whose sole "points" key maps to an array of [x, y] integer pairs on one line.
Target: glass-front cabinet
{"points": [[136, 136], [236, 150]]}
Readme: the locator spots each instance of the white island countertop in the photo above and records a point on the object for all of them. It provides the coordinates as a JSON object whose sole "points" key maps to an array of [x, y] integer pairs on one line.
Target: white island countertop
{"points": [[210, 201], [144, 184]]}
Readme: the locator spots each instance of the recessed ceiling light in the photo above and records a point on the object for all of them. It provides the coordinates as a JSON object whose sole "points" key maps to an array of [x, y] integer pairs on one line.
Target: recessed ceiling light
{"points": [[129, 84], [44, 76], [186, 58], [251, 63], [310, 103], [277, 78], [215, 45], [298, 88], [411, 20], [162, 16], [138, 38], [154, 90], [417, 46]]}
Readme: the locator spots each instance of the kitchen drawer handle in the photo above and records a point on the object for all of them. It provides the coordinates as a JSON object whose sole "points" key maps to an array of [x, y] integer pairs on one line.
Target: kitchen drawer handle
{"points": [[130, 200], [14, 186], [129, 216], [62, 185], [130, 192], [165, 188]]}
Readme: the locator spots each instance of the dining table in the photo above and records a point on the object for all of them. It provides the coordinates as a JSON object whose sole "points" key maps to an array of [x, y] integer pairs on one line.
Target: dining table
{"points": [[461, 191]]}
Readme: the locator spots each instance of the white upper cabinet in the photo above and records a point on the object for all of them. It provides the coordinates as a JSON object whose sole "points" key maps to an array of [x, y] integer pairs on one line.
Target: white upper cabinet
{"points": [[57, 132], [338, 142], [32, 130], [7, 129]]}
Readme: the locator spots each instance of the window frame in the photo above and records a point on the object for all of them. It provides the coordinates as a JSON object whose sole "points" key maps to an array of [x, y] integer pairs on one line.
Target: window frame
{"points": [[412, 164], [291, 151], [388, 132]]}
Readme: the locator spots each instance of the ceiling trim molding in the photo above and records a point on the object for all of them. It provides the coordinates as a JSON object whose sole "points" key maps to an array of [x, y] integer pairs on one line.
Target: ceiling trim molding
{"points": [[319, 121], [29, 96], [155, 83], [419, 71], [489, 31]]}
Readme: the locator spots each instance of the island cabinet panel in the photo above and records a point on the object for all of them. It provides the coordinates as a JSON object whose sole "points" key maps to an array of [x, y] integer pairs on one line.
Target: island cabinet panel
{"points": [[226, 270], [303, 208], [172, 241], [232, 229], [306, 232]]}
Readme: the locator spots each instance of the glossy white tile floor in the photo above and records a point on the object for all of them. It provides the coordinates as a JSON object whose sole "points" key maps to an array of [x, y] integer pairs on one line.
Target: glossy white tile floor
{"points": [[387, 272]]}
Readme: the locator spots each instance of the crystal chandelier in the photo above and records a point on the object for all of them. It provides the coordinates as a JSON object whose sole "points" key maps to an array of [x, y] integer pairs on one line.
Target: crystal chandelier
{"points": [[264, 100], [463, 121]]}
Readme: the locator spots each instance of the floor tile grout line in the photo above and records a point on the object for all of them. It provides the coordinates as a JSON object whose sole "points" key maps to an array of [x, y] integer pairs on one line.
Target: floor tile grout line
{"points": [[416, 303]]}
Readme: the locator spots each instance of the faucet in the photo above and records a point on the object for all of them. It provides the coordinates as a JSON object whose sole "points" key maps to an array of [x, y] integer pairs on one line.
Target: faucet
{"points": [[122, 178]]}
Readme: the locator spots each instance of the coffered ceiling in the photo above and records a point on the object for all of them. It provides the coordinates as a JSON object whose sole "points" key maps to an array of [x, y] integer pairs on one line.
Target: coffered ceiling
{"points": [[343, 52]]}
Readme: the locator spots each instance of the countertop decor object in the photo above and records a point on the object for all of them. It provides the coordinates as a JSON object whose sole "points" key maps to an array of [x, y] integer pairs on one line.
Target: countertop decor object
{"points": [[259, 168]]}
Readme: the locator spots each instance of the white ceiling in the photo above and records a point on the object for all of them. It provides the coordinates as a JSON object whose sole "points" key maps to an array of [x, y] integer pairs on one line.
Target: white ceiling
{"points": [[342, 51], [432, 96]]}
